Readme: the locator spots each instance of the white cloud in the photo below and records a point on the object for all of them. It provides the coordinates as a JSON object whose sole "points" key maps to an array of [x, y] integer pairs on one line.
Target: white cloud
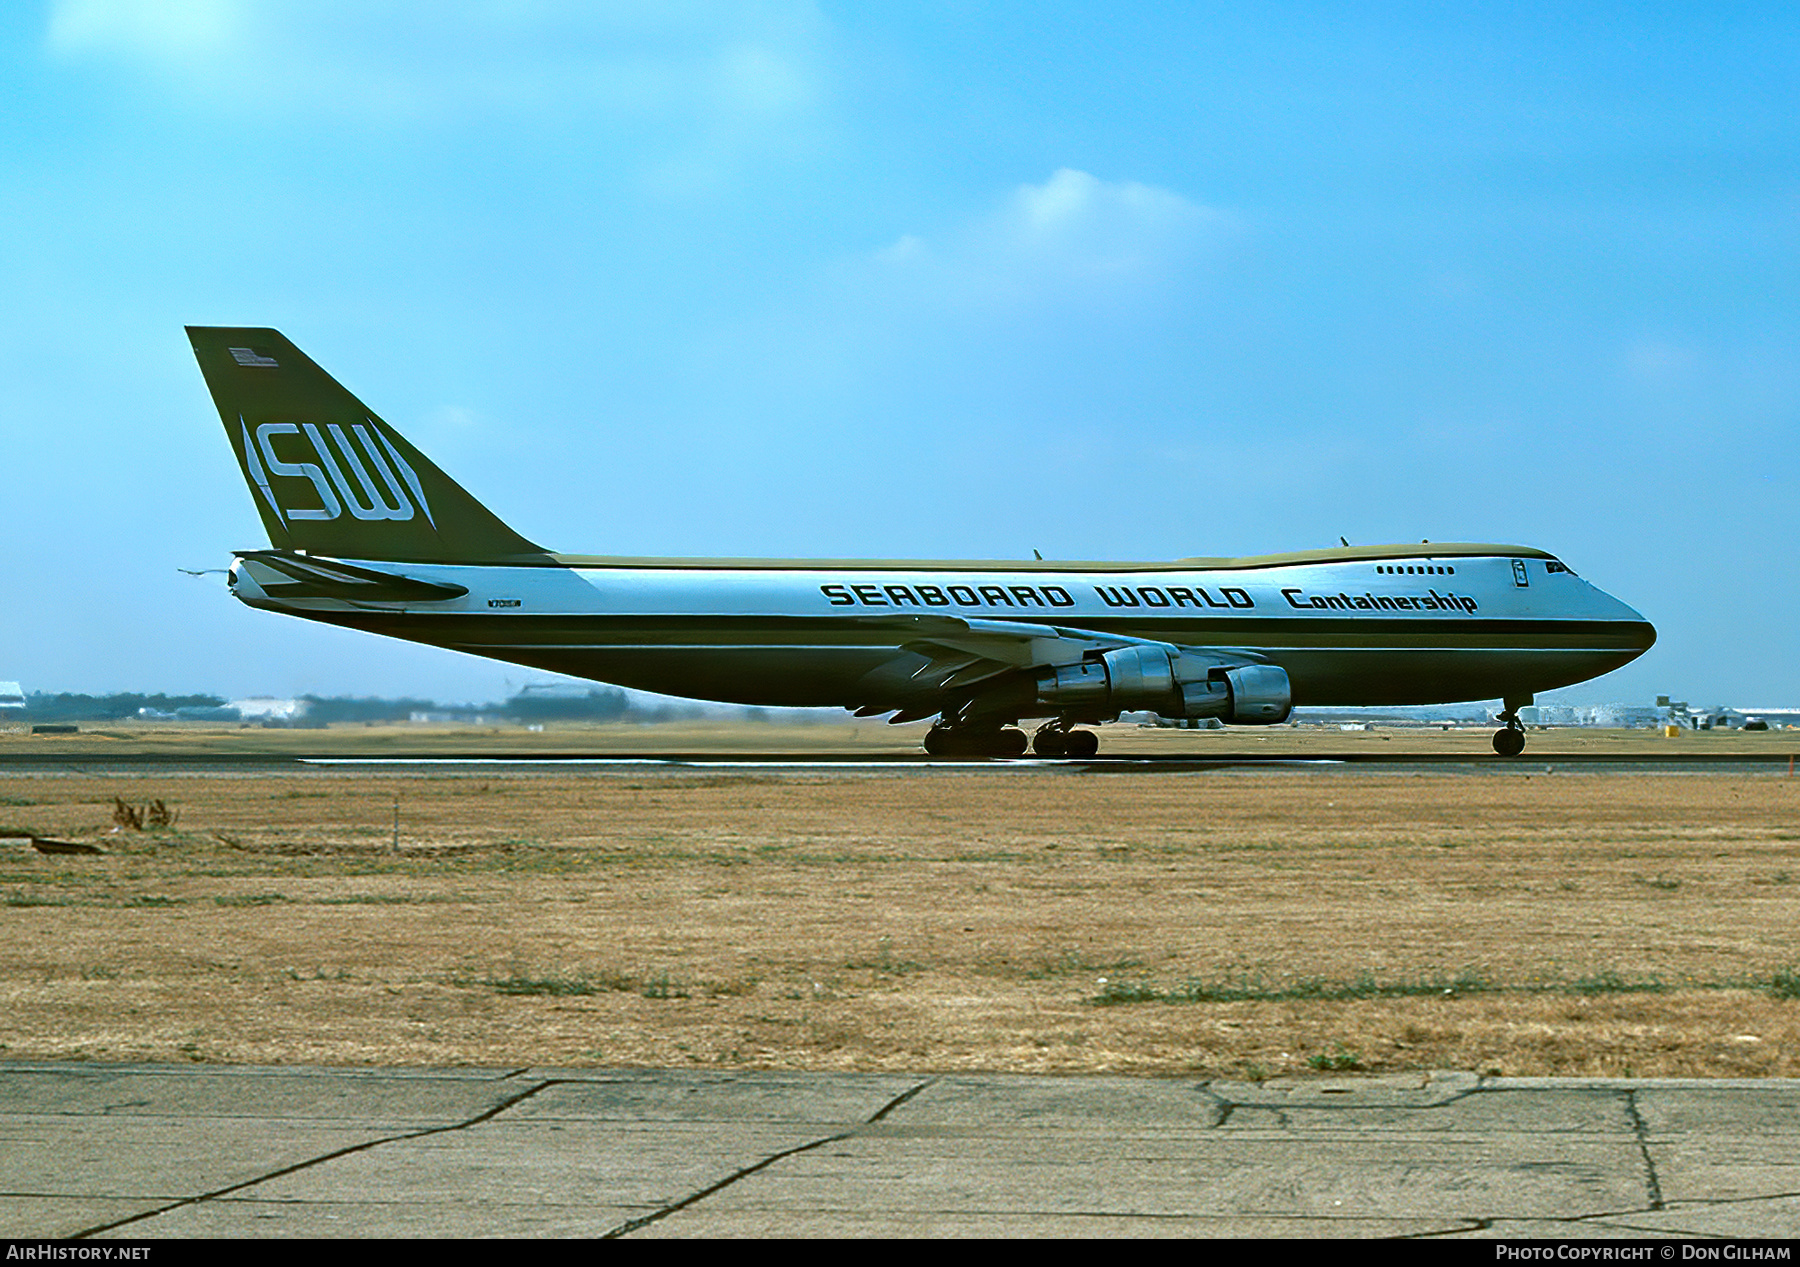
{"points": [[1044, 307], [722, 68], [160, 30], [1091, 224], [1074, 232]]}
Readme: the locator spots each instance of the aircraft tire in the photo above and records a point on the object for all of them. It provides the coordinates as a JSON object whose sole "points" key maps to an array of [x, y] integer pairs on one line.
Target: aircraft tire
{"points": [[1081, 744], [1050, 742], [960, 741], [1509, 742]]}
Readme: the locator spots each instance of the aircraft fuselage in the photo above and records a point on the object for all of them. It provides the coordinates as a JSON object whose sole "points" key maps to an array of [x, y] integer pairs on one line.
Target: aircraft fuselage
{"points": [[1372, 627]]}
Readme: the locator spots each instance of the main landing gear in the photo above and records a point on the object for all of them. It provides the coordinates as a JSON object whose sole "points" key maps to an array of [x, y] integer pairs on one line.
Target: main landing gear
{"points": [[1510, 740], [974, 739], [1055, 739], [967, 740]]}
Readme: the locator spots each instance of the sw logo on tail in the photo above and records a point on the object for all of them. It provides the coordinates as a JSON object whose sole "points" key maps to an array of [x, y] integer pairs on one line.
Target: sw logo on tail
{"points": [[392, 500]]}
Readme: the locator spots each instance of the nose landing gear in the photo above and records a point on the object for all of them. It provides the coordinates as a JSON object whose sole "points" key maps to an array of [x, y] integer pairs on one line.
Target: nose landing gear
{"points": [[1510, 740]]}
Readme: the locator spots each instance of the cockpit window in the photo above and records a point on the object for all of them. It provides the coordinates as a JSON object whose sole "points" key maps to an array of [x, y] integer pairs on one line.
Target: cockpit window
{"points": [[1552, 565]]}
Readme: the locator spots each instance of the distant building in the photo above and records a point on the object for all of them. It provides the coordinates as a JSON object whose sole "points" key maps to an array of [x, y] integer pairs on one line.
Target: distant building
{"points": [[1550, 715], [1723, 717], [11, 697], [1601, 716], [1786, 718], [262, 708], [207, 712], [1625, 716]]}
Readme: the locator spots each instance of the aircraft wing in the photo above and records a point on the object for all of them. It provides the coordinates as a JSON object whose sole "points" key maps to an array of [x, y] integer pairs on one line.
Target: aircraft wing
{"points": [[944, 659]]}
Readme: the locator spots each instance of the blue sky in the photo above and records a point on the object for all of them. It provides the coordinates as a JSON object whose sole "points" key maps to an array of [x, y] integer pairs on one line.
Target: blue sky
{"points": [[933, 279]]}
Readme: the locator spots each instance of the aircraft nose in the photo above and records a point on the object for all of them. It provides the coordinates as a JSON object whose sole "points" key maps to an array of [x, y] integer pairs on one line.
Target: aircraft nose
{"points": [[1639, 634]]}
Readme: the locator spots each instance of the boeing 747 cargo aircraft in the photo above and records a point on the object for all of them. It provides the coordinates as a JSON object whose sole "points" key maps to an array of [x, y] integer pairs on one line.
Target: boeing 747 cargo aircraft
{"points": [[367, 533]]}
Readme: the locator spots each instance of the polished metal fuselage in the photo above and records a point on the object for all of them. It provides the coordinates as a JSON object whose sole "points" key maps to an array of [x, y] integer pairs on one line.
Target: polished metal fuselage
{"points": [[1387, 626]]}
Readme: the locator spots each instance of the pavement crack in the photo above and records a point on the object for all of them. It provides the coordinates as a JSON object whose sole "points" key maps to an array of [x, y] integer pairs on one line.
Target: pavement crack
{"points": [[900, 1099], [1642, 1131], [1222, 1105], [1470, 1223], [1695, 1202], [625, 1229], [1689, 1203], [333, 1155]]}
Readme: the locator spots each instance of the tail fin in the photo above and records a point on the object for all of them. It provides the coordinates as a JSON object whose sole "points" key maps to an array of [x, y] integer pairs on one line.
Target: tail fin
{"points": [[327, 475]]}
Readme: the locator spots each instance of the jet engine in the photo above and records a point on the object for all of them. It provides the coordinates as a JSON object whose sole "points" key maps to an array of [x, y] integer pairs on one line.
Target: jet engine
{"points": [[1167, 681]]}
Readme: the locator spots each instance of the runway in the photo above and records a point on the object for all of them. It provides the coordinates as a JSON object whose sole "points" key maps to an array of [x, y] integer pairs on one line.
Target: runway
{"points": [[150, 1151], [25, 763]]}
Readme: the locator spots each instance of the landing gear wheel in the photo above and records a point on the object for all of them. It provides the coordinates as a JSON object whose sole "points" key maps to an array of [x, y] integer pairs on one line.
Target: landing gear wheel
{"points": [[1081, 744], [1055, 739], [966, 741], [952, 741], [1509, 742]]}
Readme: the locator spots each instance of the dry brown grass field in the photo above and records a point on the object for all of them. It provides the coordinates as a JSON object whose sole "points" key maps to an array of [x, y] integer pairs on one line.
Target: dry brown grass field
{"points": [[1236, 924]]}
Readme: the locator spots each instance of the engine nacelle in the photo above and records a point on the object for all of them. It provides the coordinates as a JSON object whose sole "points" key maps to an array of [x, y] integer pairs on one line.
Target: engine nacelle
{"points": [[1260, 695], [1167, 682]]}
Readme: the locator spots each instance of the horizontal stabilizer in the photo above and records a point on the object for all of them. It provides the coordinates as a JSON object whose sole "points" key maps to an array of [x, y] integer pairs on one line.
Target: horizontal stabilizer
{"points": [[315, 578]]}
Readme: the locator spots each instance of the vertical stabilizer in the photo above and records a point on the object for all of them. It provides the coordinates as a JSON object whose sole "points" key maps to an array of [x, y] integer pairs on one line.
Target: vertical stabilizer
{"points": [[328, 476]]}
